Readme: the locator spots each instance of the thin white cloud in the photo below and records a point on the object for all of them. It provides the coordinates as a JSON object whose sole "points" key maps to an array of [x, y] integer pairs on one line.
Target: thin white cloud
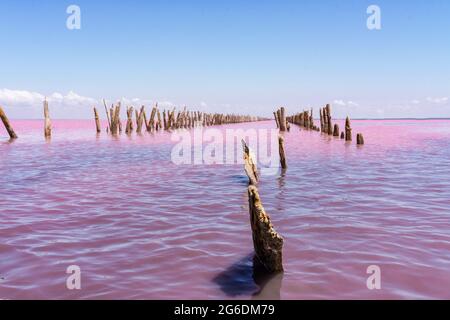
{"points": [[14, 98], [437, 100], [339, 102], [23, 98], [343, 103]]}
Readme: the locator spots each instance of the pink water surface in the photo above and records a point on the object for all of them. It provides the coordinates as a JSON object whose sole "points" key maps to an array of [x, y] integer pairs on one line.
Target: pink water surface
{"points": [[141, 227]]}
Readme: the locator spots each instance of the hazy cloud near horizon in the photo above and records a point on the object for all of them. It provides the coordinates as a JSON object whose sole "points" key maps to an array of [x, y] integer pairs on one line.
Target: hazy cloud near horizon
{"points": [[24, 104]]}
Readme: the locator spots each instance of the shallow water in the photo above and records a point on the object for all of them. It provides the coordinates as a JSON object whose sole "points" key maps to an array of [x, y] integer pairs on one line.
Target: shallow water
{"points": [[141, 227]]}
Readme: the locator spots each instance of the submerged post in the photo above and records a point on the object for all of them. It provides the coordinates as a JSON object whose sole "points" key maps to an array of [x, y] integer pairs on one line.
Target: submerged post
{"points": [[47, 122], [336, 130], [282, 119], [268, 244], [97, 120], [348, 130], [282, 153], [129, 126], [8, 126], [359, 139], [329, 123]]}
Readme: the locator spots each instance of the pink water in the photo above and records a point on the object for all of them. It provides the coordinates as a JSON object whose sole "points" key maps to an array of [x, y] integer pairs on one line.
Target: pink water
{"points": [[141, 227]]}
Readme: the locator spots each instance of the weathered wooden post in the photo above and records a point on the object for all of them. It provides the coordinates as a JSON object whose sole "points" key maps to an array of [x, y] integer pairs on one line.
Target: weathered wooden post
{"points": [[159, 124], [268, 244], [282, 119], [108, 128], [152, 119], [97, 120], [282, 153], [276, 119], [336, 130], [348, 130], [7, 125], [129, 125], [359, 139], [342, 135], [330, 124], [140, 119], [47, 122], [250, 165], [116, 124], [321, 120]]}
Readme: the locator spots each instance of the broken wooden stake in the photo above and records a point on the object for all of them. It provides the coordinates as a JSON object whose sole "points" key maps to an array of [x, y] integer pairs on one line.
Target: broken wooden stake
{"points": [[276, 119], [97, 120], [250, 165], [359, 139], [282, 153], [47, 122], [348, 130], [108, 128], [8, 126], [336, 130], [282, 119], [268, 244], [129, 126]]}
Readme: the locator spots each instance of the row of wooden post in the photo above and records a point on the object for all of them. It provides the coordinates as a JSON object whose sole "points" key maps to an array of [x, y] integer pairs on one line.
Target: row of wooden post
{"points": [[167, 120], [305, 119]]}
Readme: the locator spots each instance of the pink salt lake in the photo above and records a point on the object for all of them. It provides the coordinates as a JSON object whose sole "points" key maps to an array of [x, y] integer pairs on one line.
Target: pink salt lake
{"points": [[141, 227]]}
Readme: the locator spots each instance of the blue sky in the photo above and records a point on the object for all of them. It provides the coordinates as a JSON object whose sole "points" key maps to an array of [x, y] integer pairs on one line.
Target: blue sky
{"points": [[228, 56]]}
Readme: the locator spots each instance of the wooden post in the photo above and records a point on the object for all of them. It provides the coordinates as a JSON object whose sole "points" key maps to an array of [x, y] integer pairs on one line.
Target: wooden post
{"points": [[342, 135], [330, 124], [159, 119], [268, 244], [47, 122], [282, 119], [164, 119], [276, 119], [250, 165], [321, 120], [152, 119], [129, 126], [348, 130], [107, 116], [282, 153], [116, 124], [336, 130], [8, 126], [140, 119], [97, 120], [359, 139]]}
